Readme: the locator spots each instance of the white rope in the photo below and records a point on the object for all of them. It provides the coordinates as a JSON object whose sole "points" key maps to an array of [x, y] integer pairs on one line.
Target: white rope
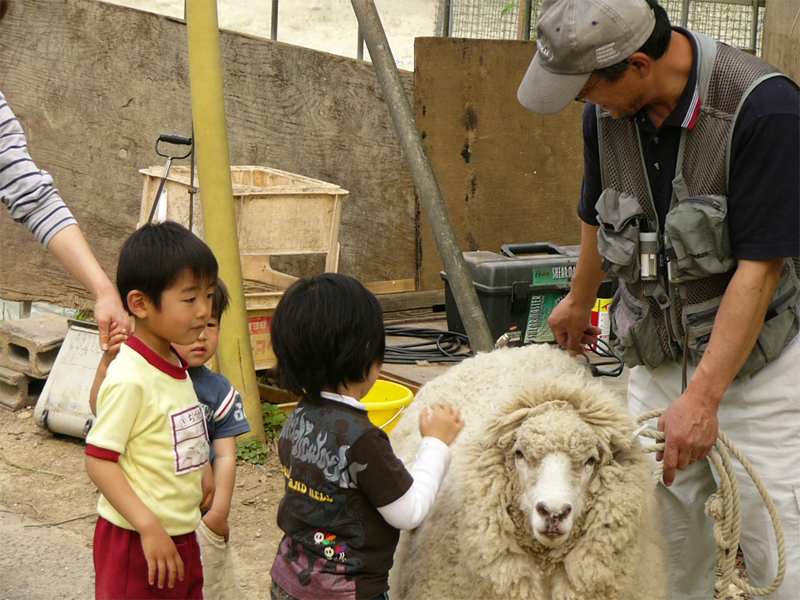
{"points": [[724, 507]]}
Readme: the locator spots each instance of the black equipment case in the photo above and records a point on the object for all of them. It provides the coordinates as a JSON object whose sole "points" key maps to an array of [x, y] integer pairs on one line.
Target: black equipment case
{"points": [[519, 288]]}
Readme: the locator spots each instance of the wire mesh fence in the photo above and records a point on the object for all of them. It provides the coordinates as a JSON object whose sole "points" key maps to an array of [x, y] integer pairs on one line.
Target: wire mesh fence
{"points": [[735, 22]]}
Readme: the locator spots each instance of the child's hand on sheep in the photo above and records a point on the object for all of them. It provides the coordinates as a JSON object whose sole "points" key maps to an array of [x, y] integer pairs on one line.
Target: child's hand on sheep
{"points": [[442, 421]]}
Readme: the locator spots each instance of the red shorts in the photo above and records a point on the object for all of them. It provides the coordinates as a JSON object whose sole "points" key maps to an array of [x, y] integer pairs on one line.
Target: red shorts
{"points": [[121, 568]]}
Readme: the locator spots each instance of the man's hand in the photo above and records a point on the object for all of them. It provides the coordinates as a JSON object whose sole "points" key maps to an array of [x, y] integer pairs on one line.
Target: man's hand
{"points": [[572, 327], [690, 425], [109, 313], [163, 561]]}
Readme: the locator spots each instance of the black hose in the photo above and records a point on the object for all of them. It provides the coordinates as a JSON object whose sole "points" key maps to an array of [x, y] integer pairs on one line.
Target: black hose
{"points": [[605, 351], [441, 346]]}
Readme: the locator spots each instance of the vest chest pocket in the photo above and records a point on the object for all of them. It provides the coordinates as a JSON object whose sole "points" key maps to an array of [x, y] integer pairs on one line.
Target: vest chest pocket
{"points": [[697, 232], [698, 322], [633, 323], [619, 215]]}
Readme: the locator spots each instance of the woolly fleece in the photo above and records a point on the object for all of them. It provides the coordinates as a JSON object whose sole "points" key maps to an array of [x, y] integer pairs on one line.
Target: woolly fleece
{"points": [[476, 543]]}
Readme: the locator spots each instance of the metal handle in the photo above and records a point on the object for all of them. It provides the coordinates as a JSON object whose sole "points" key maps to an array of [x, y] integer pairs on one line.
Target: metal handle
{"points": [[174, 138], [178, 140], [399, 412], [511, 250]]}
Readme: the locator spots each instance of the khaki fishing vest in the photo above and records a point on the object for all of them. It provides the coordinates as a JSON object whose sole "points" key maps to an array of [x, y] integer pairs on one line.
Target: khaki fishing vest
{"points": [[671, 318]]}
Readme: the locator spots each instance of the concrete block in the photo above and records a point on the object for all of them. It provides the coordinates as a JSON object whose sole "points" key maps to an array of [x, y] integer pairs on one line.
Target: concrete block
{"points": [[17, 390], [30, 346]]}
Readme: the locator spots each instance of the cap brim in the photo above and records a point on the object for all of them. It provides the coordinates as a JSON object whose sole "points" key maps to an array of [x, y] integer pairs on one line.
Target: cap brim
{"points": [[547, 93]]}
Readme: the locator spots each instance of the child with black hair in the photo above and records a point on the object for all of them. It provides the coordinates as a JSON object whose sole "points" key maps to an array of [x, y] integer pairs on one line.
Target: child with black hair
{"points": [[347, 495], [225, 419], [148, 446]]}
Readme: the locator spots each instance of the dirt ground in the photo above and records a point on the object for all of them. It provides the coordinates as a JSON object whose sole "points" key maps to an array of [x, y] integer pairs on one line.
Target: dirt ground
{"points": [[327, 25], [48, 510]]}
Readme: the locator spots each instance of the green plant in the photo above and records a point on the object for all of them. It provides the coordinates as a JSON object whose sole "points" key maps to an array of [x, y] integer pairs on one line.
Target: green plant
{"points": [[274, 419], [252, 451], [511, 6], [84, 314]]}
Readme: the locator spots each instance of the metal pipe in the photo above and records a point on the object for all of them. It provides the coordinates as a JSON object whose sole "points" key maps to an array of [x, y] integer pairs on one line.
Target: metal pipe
{"points": [[360, 50], [526, 34], [447, 14], [685, 13], [422, 172], [219, 221], [754, 28], [273, 26]]}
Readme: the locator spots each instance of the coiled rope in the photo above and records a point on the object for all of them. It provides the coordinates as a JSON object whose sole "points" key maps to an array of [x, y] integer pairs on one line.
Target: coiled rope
{"points": [[724, 507]]}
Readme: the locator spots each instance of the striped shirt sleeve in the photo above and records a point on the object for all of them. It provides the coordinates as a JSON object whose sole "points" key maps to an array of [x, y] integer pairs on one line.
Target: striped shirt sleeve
{"points": [[26, 190]]}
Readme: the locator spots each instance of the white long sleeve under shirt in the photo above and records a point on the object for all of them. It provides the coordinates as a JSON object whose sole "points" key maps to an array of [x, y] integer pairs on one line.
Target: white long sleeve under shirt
{"points": [[429, 468]]}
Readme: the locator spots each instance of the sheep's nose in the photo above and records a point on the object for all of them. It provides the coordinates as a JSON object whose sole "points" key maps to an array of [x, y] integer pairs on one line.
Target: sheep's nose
{"points": [[558, 513]]}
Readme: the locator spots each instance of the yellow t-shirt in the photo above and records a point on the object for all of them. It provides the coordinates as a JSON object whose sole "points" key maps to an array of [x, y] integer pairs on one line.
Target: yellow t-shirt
{"points": [[147, 412]]}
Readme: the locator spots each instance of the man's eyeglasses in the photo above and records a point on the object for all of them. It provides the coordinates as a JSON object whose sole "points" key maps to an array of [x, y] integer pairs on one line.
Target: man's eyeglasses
{"points": [[587, 89]]}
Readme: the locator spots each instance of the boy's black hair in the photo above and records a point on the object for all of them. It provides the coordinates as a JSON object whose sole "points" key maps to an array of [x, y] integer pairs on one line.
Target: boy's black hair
{"points": [[221, 300], [155, 256], [655, 46], [327, 330]]}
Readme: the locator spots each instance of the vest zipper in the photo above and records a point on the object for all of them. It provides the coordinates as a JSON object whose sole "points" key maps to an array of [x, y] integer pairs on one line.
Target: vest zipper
{"points": [[708, 202]]}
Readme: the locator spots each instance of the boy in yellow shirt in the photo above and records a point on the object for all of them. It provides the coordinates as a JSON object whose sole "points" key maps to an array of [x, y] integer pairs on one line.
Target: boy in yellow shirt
{"points": [[149, 444]]}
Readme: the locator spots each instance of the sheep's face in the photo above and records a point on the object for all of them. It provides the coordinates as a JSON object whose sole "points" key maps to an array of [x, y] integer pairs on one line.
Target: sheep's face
{"points": [[556, 456]]}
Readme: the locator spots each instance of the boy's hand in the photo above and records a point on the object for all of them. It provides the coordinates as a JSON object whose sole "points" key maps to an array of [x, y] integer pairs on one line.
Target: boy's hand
{"points": [[163, 560], [442, 421], [117, 336], [218, 523], [208, 488]]}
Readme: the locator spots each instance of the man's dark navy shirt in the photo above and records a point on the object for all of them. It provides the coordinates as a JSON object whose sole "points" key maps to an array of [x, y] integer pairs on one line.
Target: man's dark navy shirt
{"points": [[764, 189]]}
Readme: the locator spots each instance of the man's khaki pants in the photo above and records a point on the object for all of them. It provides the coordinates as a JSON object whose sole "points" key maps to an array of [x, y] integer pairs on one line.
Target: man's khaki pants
{"points": [[761, 416]]}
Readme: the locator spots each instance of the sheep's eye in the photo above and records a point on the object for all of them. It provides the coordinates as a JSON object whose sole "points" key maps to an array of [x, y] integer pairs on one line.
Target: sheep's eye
{"points": [[593, 460], [518, 454]]}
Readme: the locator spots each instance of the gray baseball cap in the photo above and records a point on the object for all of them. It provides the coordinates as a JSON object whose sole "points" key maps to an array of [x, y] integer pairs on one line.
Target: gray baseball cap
{"points": [[576, 37]]}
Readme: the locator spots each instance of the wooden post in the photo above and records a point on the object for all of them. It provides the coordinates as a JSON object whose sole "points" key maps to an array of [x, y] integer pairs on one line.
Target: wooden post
{"points": [[219, 221]]}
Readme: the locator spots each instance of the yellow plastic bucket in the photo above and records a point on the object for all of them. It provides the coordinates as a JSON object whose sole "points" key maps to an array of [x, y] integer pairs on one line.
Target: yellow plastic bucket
{"points": [[385, 402]]}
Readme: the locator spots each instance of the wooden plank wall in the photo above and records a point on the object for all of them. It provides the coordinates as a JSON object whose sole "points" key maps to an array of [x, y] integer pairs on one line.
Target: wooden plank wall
{"points": [[782, 36], [94, 85], [507, 175]]}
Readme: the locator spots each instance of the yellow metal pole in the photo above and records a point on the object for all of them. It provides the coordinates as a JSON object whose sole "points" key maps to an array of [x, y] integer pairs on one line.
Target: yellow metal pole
{"points": [[219, 221]]}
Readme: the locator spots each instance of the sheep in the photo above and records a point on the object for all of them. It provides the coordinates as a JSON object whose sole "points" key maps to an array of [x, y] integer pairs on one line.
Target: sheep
{"points": [[549, 494]]}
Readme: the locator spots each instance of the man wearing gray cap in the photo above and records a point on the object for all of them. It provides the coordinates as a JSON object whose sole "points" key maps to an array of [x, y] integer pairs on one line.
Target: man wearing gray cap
{"points": [[691, 195]]}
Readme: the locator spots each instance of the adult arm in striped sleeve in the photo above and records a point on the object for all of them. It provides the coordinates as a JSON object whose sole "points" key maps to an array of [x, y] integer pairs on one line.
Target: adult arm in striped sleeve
{"points": [[31, 198]]}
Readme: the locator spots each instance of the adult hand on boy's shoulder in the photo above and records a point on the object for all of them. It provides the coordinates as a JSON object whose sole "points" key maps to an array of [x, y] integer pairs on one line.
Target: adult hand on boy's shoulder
{"points": [[163, 561], [218, 523]]}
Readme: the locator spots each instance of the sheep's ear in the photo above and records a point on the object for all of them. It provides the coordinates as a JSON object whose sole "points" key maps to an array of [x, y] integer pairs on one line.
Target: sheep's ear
{"points": [[607, 417], [503, 431]]}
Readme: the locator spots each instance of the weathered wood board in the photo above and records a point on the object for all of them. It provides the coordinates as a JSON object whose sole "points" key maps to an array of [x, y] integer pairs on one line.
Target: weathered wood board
{"points": [[782, 36], [507, 175], [95, 84]]}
